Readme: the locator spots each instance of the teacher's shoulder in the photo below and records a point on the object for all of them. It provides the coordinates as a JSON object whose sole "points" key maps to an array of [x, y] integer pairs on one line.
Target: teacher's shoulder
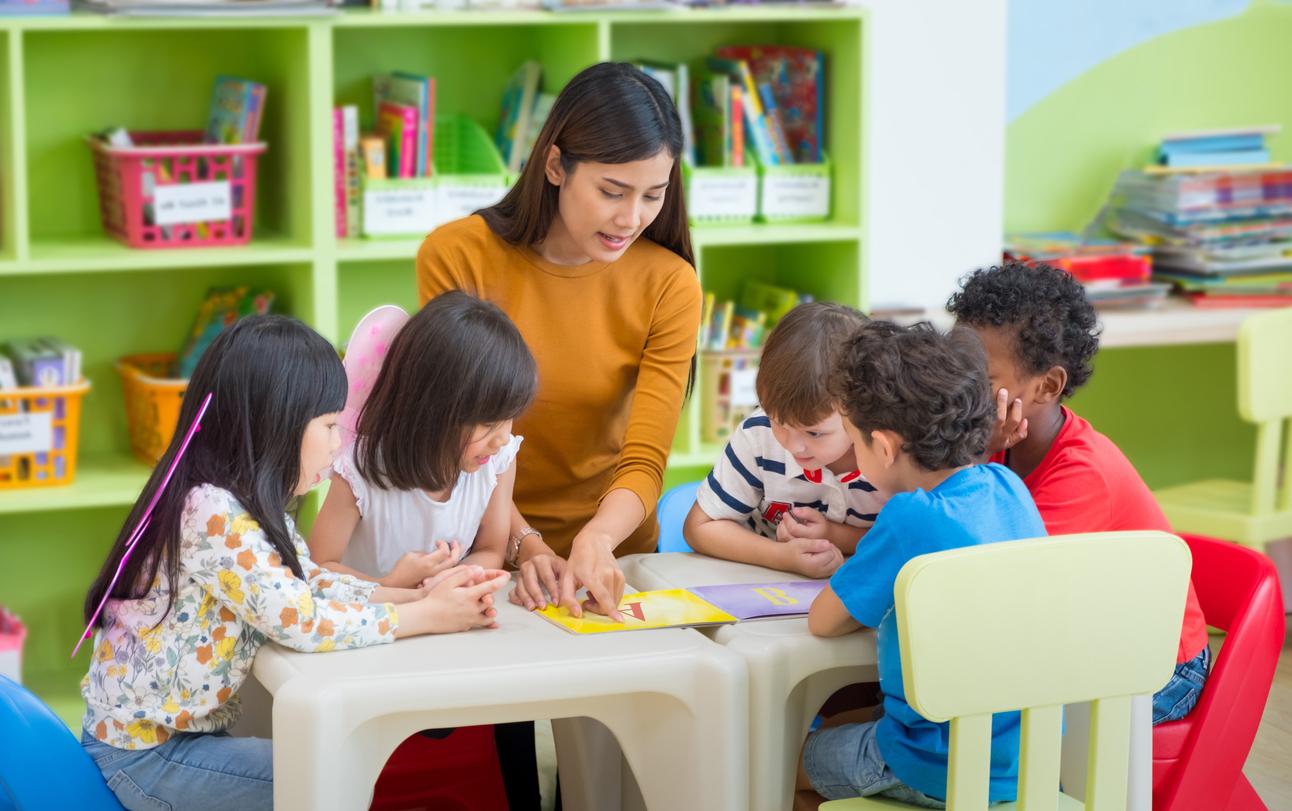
{"points": [[664, 270], [468, 234]]}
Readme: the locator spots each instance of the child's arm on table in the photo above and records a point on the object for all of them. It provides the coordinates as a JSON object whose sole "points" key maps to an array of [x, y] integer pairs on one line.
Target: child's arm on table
{"points": [[490, 547], [829, 617], [727, 539], [331, 535]]}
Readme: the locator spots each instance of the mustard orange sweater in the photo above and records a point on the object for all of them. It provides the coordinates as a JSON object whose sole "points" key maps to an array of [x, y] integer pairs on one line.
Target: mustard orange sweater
{"points": [[613, 344]]}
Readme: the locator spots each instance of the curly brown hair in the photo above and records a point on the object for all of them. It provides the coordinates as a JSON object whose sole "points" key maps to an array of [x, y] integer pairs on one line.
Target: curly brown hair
{"points": [[928, 387]]}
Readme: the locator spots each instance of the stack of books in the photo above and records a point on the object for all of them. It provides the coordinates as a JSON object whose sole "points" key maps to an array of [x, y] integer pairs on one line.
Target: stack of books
{"points": [[208, 8], [401, 144], [1115, 274], [727, 326], [1223, 237]]}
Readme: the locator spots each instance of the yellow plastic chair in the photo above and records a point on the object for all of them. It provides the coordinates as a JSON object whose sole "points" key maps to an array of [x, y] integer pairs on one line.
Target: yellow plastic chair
{"points": [[1031, 626], [1257, 512]]}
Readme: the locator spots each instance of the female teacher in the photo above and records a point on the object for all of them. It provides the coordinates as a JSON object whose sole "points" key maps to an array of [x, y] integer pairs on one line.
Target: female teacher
{"points": [[590, 256]]}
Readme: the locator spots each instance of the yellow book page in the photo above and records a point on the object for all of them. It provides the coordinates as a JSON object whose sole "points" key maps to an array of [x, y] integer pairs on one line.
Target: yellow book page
{"points": [[667, 608]]}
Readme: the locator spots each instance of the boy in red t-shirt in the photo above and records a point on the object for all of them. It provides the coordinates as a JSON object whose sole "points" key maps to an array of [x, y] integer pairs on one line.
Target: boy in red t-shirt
{"points": [[1040, 335]]}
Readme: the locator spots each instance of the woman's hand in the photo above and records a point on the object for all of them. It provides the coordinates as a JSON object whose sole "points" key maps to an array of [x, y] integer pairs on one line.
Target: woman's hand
{"points": [[592, 565], [538, 580]]}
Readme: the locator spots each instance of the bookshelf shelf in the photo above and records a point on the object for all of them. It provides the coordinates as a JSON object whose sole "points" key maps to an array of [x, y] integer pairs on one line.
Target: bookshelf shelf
{"points": [[101, 254], [102, 480]]}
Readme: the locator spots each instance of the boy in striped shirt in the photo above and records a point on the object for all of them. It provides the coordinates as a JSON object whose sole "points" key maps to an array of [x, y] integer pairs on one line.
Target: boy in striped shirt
{"points": [[786, 493]]}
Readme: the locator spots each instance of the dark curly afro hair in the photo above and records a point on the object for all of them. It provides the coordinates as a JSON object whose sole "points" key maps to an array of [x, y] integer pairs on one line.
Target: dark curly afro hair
{"points": [[930, 388], [1045, 307]]}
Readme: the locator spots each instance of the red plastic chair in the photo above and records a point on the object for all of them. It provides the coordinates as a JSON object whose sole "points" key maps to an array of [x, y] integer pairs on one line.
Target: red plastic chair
{"points": [[459, 772], [1198, 760]]}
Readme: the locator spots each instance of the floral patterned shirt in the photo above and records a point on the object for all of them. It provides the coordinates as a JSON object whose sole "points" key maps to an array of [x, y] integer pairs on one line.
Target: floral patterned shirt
{"points": [[145, 683]]}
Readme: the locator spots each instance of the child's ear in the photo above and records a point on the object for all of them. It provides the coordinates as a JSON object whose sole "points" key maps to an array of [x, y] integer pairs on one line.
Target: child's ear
{"points": [[552, 166], [1052, 384], [886, 445]]}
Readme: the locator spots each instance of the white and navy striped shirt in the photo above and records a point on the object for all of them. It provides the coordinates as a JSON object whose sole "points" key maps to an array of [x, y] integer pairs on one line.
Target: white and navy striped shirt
{"points": [[757, 481]]}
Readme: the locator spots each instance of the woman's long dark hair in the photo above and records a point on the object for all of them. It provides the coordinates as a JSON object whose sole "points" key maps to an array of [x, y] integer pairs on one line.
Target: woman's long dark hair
{"points": [[459, 362], [268, 377], [611, 112]]}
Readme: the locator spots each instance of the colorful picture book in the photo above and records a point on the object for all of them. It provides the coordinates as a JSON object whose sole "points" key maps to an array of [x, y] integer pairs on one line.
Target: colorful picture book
{"points": [[221, 307], [237, 107], [413, 98], [796, 80], [697, 606], [518, 103], [754, 601], [667, 608]]}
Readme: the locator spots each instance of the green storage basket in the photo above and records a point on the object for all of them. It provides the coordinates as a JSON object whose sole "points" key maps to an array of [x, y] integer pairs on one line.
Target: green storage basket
{"points": [[720, 195], [794, 192], [469, 172], [469, 175]]}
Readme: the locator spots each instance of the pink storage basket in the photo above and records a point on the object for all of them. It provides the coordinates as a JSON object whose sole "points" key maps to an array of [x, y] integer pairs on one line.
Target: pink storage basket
{"points": [[130, 178]]}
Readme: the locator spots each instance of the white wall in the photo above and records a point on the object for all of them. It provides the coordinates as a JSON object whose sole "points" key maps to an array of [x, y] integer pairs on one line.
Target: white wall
{"points": [[934, 89]]}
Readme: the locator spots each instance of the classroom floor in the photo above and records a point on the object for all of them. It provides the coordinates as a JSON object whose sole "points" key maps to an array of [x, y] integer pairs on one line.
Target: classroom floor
{"points": [[1269, 766]]}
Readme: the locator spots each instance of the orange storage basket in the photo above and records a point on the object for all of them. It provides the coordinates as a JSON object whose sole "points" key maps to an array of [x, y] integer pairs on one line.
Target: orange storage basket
{"points": [[152, 403], [43, 468]]}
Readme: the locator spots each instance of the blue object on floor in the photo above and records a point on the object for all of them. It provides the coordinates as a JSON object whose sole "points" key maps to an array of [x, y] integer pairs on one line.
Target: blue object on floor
{"points": [[42, 764]]}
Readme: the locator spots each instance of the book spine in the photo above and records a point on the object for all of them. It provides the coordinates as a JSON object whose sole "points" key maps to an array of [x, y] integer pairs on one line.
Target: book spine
{"points": [[350, 146], [737, 128], [430, 126], [339, 171], [408, 145]]}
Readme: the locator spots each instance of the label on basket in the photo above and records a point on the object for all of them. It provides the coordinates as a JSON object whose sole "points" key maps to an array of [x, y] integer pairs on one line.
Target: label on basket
{"points": [[743, 392], [796, 196], [723, 196], [26, 433], [454, 201], [193, 202], [398, 212]]}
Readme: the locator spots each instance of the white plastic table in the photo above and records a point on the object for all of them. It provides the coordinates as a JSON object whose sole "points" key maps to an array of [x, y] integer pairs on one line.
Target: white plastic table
{"points": [[676, 702], [790, 668], [791, 672]]}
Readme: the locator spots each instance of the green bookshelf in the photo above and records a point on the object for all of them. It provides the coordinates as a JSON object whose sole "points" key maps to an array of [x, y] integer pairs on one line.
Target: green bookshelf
{"points": [[64, 77]]}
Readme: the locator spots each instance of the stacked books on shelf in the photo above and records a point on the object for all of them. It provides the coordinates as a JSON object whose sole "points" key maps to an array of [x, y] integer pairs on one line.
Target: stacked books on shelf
{"points": [[731, 341], [758, 102], [1223, 236], [401, 144], [208, 8], [524, 111], [1114, 273]]}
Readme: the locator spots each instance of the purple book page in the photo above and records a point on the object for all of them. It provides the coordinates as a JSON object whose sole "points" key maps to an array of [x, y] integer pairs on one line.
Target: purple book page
{"points": [[747, 601]]}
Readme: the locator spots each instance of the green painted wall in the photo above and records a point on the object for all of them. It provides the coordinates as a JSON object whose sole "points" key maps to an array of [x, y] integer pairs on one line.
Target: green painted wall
{"points": [[1172, 409]]}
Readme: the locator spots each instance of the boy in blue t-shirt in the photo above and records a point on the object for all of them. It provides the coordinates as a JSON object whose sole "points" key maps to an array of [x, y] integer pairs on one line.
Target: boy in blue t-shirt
{"points": [[918, 408]]}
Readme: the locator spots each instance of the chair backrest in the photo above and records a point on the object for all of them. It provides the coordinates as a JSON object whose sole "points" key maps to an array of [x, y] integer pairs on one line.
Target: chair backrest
{"points": [[1238, 590], [1033, 625], [672, 510], [42, 765], [1265, 398]]}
